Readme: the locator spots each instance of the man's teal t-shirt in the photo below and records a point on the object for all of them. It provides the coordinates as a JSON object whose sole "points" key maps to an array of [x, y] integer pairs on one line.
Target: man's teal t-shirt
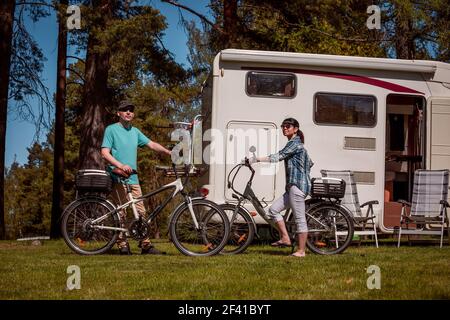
{"points": [[123, 143]]}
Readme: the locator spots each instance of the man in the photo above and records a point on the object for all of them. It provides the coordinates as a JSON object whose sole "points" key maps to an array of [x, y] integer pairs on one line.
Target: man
{"points": [[119, 149]]}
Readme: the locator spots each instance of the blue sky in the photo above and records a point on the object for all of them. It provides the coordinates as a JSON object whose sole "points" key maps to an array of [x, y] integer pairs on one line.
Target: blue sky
{"points": [[20, 134]]}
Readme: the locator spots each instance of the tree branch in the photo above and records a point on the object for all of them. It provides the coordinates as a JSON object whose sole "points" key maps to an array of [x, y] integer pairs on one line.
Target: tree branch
{"points": [[78, 58], [348, 39], [76, 73], [202, 17], [36, 4], [290, 24], [73, 82], [162, 44]]}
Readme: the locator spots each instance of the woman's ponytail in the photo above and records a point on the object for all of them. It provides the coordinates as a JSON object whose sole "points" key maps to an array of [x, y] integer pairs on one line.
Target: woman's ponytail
{"points": [[301, 135]]}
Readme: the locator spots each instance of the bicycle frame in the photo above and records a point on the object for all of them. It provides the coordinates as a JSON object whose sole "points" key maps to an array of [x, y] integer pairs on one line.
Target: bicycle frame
{"points": [[178, 187], [250, 195]]}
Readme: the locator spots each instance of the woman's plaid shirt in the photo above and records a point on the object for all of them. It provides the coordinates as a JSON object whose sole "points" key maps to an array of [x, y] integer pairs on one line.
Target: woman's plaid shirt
{"points": [[297, 164]]}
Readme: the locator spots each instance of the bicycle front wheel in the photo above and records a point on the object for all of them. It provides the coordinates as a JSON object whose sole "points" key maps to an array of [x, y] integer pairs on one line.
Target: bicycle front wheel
{"points": [[330, 229], [81, 234], [242, 229], [208, 238]]}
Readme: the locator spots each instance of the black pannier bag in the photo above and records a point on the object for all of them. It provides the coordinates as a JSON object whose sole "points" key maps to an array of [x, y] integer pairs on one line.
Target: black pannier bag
{"points": [[91, 180]]}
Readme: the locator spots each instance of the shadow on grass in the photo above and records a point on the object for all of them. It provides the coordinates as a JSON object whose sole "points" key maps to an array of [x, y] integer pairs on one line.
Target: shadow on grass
{"points": [[404, 242], [273, 252]]}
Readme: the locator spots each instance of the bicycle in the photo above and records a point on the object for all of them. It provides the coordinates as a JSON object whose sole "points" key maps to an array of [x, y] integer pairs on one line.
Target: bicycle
{"points": [[91, 224], [330, 228]]}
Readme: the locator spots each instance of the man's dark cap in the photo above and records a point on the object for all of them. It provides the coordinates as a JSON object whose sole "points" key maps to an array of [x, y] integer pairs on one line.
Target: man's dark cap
{"points": [[124, 104]]}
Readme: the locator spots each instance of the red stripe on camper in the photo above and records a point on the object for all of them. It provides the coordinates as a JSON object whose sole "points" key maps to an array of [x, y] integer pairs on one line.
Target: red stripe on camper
{"points": [[373, 82]]}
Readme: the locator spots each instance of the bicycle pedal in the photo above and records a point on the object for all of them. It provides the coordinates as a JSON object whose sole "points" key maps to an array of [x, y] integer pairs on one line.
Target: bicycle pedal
{"points": [[208, 247], [242, 238], [320, 244], [81, 242]]}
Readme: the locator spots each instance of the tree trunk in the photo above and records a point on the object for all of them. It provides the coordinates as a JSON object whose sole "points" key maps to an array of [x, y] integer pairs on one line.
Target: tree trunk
{"points": [[230, 22], [58, 155], [6, 27], [404, 41], [404, 44], [95, 97]]}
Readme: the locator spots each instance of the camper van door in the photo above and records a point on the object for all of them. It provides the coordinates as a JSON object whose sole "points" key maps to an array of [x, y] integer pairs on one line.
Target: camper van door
{"points": [[241, 135], [439, 133]]}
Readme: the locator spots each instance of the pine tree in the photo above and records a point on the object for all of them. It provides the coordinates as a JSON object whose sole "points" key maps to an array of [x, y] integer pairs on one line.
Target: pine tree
{"points": [[58, 156], [6, 29]]}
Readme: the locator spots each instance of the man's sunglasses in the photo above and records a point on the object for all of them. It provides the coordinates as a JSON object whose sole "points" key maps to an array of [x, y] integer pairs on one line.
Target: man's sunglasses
{"points": [[130, 109], [286, 126]]}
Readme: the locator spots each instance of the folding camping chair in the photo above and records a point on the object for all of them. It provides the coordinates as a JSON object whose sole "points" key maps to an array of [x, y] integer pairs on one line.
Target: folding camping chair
{"points": [[364, 224], [429, 204]]}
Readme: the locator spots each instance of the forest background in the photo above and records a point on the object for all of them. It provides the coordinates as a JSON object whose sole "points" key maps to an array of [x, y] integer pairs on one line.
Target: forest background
{"points": [[119, 53]]}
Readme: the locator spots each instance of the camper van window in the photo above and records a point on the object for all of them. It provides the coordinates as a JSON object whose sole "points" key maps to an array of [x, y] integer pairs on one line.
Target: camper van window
{"points": [[267, 84], [345, 109]]}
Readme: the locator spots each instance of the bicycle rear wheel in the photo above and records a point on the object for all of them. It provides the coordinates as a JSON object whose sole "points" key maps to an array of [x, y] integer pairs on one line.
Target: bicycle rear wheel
{"points": [[330, 229], [81, 235], [212, 234], [242, 230]]}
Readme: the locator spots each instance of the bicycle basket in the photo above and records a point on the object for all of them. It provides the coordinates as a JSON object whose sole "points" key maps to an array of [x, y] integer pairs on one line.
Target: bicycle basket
{"points": [[327, 188], [91, 180]]}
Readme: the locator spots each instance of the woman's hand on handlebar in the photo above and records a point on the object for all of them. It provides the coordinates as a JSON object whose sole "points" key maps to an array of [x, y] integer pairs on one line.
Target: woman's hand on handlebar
{"points": [[249, 161], [252, 160]]}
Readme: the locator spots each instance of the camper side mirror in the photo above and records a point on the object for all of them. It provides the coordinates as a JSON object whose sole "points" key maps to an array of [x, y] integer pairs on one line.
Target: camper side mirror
{"points": [[252, 149]]}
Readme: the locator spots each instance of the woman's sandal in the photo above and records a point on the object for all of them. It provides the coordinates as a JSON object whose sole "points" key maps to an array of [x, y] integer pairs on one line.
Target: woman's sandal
{"points": [[280, 244]]}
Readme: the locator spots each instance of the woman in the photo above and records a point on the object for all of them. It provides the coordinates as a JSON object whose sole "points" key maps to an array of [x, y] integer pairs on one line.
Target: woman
{"points": [[298, 184]]}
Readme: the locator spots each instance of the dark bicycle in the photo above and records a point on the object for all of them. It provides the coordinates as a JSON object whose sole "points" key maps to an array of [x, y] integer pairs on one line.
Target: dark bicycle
{"points": [[330, 228]]}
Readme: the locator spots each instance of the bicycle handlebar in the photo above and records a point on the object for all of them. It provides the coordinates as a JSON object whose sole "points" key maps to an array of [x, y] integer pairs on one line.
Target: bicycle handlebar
{"points": [[186, 171], [246, 163]]}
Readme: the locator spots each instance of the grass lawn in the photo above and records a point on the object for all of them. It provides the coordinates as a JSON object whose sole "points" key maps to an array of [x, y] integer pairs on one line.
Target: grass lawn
{"points": [[262, 272]]}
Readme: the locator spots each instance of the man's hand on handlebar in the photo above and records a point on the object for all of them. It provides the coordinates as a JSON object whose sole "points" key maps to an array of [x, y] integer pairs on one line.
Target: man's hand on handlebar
{"points": [[127, 169], [123, 173]]}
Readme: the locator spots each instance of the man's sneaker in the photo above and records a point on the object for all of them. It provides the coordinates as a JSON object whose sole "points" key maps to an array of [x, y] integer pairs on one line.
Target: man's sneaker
{"points": [[125, 251], [152, 250]]}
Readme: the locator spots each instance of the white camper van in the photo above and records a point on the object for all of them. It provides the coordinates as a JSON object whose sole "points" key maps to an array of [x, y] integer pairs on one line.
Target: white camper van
{"points": [[381, 118]]}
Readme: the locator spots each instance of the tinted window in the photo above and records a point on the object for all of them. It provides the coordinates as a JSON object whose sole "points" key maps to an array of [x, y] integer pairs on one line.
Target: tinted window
{"points": [[270, 84], [343, 109]]}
